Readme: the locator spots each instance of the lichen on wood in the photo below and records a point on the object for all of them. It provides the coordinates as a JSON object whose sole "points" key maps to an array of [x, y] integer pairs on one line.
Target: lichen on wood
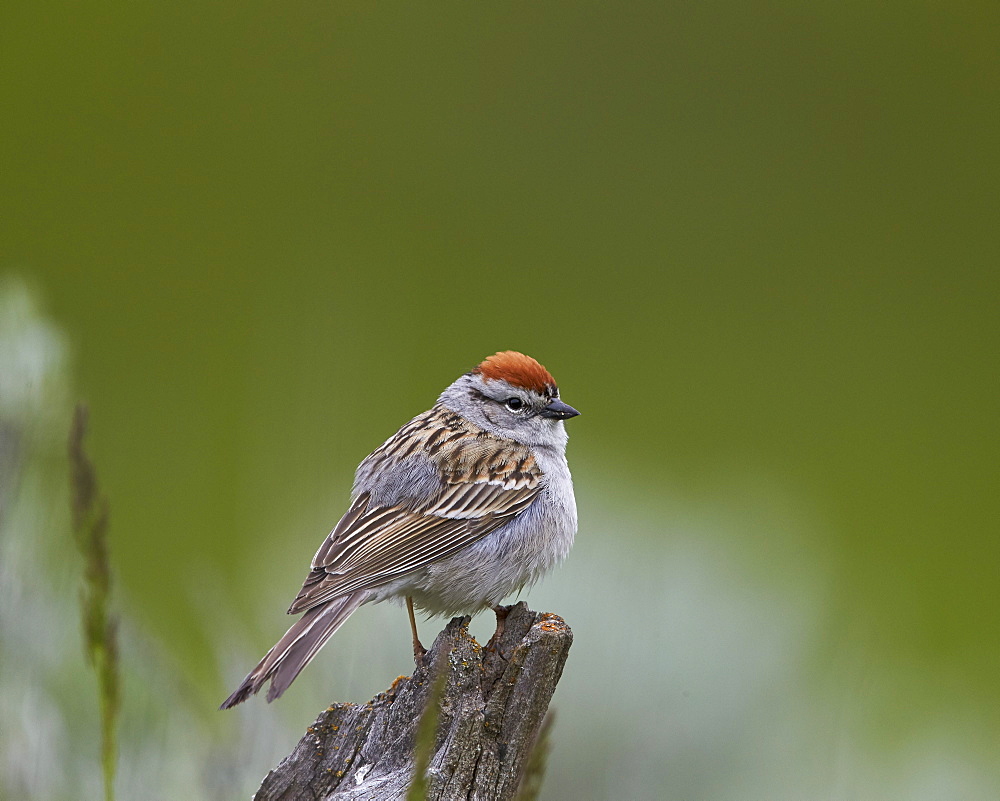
{"points": [[489, 710]]}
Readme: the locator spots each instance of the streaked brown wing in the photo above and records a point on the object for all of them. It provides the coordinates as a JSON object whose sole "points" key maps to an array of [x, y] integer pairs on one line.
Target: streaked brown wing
{"points": [[485, 481], [370, 547]]}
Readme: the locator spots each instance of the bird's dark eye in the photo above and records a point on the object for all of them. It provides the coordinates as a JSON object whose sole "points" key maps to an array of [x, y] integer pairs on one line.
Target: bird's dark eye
{"points": [[514, 404]]}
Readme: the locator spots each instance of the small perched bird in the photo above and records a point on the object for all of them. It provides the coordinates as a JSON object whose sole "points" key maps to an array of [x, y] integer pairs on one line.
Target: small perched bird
{"points": [[463, 506]]}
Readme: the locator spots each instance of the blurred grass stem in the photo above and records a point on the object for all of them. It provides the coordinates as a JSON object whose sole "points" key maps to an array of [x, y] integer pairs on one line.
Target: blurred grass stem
{"points": [[426, 736], [534, 771], [100, 629]]}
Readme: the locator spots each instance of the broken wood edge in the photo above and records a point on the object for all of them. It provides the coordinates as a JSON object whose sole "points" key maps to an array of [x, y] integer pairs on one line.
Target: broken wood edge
{"points": [[492, 703]]}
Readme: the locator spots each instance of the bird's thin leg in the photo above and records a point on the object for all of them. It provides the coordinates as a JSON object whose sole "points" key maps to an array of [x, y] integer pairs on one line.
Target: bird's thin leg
{"points": [[418, 649]]}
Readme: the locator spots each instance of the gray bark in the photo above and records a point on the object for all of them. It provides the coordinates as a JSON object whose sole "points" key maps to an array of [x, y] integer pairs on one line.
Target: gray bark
{"points": [[490, 709]]}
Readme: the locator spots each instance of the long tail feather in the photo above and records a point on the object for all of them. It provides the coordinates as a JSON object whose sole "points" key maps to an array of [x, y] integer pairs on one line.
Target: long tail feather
{"points": [[296, 648]]}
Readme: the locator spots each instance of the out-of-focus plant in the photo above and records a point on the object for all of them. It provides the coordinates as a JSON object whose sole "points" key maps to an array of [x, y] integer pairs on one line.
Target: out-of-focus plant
{"points": [[100, 628], [534, 771], [423, 747]]}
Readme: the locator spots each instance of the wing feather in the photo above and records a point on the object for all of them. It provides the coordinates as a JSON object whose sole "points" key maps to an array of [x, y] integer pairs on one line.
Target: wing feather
{"points": [[485, 482]]}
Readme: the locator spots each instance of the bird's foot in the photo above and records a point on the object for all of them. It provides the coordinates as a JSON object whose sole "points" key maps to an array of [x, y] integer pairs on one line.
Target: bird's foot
{"points": [[501, 613], [419, 653]]}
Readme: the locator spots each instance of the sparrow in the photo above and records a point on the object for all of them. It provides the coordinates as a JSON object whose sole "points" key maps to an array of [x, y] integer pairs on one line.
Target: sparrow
{"points": [[465, 505]]}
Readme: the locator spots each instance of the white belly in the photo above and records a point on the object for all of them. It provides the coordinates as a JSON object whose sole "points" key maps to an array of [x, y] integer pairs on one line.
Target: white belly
{"points": [[506, 560]]}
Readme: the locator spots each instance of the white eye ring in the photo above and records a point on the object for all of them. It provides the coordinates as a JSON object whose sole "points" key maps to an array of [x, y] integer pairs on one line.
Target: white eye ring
{"points": [[514, 404]]}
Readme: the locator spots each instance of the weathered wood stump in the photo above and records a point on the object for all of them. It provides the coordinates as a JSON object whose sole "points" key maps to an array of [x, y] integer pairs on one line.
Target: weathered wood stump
{"points": [[489, 711]]}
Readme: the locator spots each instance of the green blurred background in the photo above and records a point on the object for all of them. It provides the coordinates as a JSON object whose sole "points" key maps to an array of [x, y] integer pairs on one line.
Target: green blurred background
{"points": [[758, 244]]}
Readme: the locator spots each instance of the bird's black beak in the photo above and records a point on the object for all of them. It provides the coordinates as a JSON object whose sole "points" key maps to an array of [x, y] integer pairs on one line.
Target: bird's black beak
{"points": [[559, 410]]}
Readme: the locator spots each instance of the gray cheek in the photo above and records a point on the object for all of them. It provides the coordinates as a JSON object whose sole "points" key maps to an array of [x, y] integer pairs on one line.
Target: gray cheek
{"points": [[503, 422], [538, 426]]}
